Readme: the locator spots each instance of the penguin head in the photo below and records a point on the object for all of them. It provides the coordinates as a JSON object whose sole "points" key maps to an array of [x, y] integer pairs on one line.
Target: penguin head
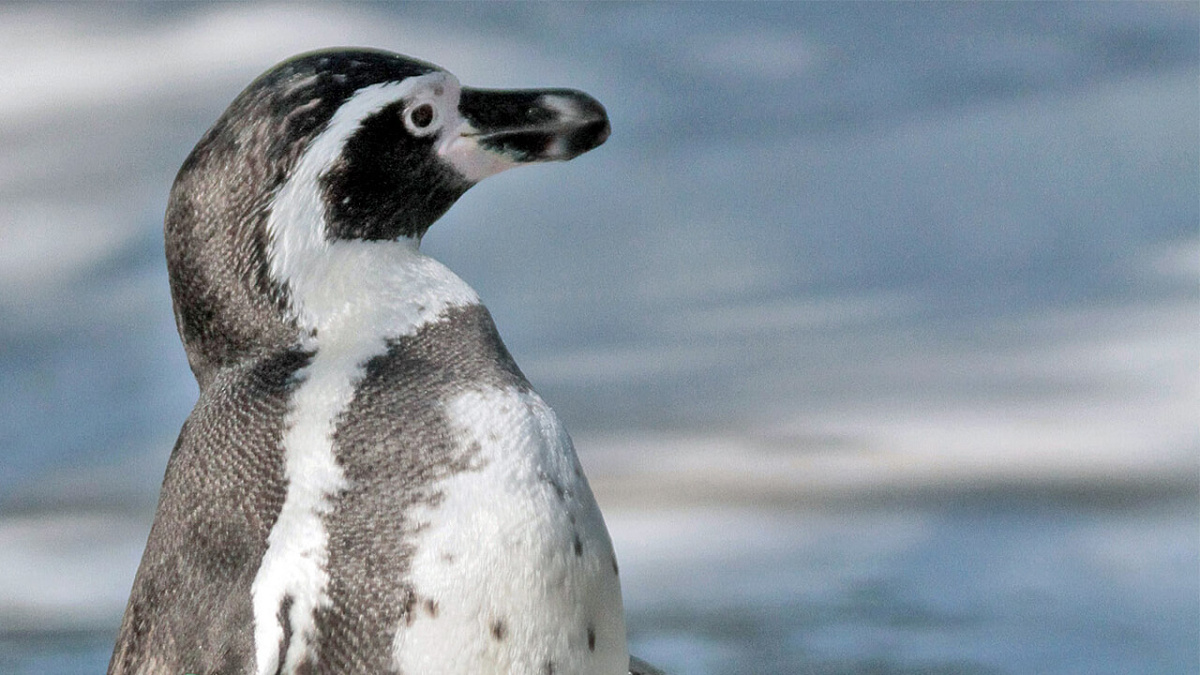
{"points": [[331, 148]]}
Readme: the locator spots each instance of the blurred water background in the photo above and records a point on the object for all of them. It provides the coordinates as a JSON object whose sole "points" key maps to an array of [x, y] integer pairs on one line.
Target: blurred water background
{"points": [[876, 325]]}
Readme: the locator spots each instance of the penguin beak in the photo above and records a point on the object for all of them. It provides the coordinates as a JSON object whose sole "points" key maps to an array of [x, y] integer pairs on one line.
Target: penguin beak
{"points": [[511, 128]]}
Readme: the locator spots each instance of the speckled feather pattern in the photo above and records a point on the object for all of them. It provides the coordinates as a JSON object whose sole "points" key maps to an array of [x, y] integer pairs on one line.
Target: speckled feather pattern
{"points": [[223, 489]]}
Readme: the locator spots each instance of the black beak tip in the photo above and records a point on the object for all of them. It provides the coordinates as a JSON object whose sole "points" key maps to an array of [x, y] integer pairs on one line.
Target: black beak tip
{"points": [[593, 134], [589, 126]]}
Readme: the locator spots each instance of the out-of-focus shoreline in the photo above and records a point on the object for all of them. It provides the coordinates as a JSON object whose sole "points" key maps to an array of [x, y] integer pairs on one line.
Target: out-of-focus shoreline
{"points": [[1005, 586]]}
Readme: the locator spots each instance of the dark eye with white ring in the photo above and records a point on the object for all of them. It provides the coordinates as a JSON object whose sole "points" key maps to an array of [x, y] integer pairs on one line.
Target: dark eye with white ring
{"points": [[421, 118]]}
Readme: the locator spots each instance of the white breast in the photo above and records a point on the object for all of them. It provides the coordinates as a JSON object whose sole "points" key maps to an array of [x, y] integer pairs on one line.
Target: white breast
{"points": [[514, 571]]}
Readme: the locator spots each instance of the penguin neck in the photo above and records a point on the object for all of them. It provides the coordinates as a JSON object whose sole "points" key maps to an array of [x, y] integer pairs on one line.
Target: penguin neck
{"points": [[357, 295]]}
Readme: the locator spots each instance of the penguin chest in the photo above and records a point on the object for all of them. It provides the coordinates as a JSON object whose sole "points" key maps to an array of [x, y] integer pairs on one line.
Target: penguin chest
{"points": [[512, 568]]}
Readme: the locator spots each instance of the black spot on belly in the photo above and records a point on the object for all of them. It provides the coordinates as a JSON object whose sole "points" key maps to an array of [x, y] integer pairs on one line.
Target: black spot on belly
{"points": [[410, 601], [616, 570], [591, 638], [578, 546], [499, 630], [548, 668], [284, 616], [431, 607]]}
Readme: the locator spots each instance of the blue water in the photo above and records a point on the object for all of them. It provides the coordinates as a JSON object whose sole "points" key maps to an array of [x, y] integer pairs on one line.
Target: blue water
{"points": [[1004, 587]]}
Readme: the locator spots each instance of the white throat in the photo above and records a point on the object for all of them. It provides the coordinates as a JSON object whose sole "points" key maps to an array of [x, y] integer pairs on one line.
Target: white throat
{"points": [[362, 290]]}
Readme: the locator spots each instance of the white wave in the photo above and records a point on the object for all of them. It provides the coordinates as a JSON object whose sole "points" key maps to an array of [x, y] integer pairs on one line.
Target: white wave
{"points": [[71, 570]]}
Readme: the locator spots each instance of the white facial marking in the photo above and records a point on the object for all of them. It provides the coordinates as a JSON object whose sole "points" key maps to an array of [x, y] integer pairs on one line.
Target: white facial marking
{"points": [[516, 554], [463, 152], [350, 297]]}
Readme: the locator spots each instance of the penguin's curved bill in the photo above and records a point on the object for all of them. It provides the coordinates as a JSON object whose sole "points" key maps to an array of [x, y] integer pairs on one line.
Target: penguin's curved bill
{"points": [[510, 128]]}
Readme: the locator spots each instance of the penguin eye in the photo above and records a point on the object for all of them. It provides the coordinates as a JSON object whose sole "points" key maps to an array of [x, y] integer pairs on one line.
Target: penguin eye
{"points": [[420, 118]]}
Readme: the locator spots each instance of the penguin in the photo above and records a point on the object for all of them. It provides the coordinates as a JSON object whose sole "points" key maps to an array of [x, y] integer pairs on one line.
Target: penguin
{"points": [[367, 483]]}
